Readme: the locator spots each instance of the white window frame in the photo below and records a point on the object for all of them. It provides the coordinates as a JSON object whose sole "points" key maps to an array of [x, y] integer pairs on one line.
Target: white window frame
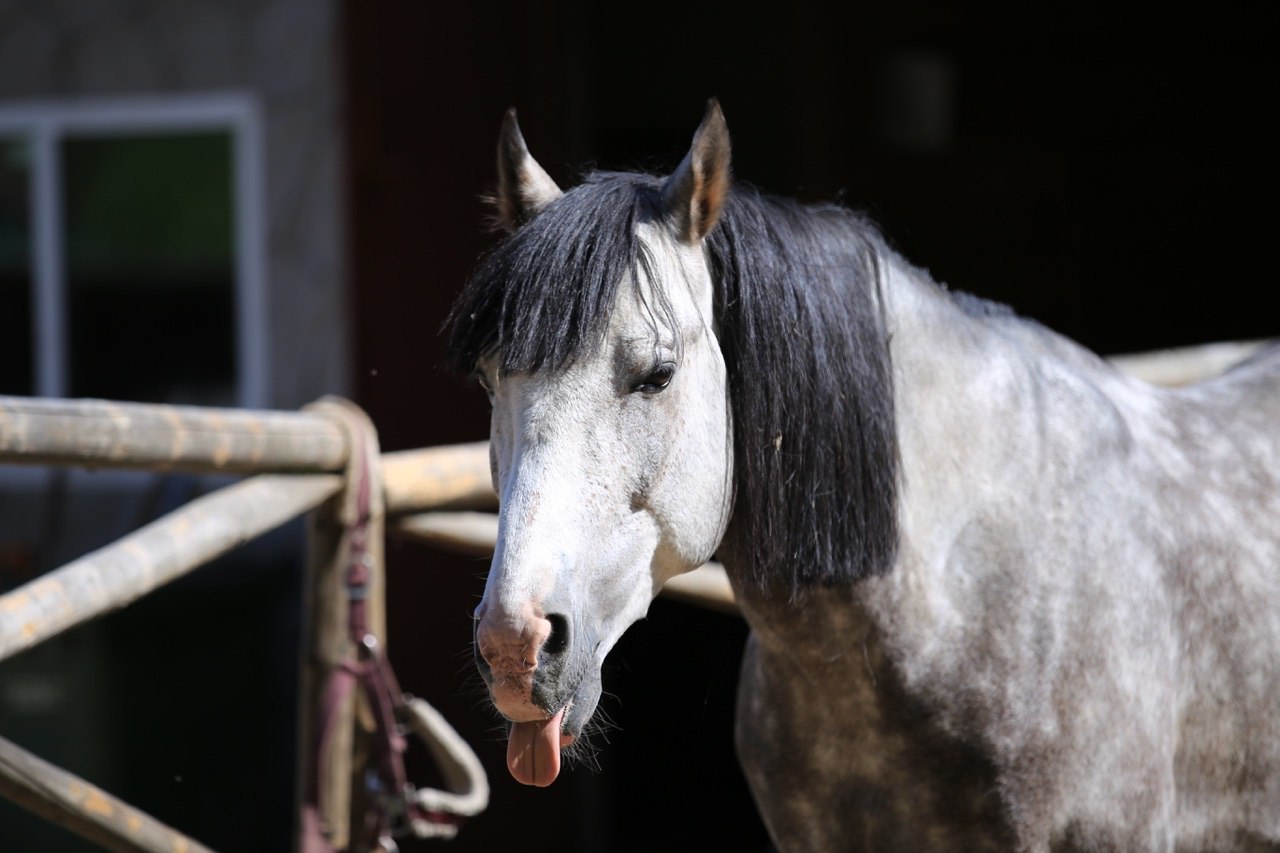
{"points": [[44, 124]]}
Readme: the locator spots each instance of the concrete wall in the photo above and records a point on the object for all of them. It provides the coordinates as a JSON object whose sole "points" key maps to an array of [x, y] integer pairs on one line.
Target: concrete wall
{"points": [[183, 703], [282, 52]]}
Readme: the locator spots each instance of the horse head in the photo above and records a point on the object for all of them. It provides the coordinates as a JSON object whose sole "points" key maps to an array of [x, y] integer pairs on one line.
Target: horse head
{"points": [[610, 443]]}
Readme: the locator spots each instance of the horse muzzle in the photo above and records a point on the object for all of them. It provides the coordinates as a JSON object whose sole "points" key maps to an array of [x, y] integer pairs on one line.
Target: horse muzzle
{"points": [[527, 661]]}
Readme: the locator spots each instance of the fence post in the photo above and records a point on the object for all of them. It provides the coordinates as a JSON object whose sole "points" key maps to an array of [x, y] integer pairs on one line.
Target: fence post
{"points": [[331, 798]]}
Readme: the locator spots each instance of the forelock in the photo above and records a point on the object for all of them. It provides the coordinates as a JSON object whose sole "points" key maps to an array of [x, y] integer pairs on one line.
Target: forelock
{"points": [[544, 295]]}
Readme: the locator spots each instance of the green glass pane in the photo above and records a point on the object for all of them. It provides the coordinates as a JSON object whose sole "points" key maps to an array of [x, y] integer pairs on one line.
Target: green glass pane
{"points": [[16, 373], [150, 267]]}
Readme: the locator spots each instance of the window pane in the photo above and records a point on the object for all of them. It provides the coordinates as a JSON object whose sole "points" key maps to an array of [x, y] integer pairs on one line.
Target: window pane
{"points": [[16, 374], [150, 268]]}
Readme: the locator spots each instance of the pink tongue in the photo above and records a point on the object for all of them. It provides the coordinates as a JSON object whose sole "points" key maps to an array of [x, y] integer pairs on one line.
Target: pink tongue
{"points": [[533, 750]]}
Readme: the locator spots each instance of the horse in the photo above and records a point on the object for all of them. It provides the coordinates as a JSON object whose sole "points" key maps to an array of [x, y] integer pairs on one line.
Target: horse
{"points": [[1001, 596]]}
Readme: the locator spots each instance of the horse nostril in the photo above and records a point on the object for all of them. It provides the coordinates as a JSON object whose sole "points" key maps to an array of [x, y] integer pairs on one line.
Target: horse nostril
{"points": [[558, 641]]}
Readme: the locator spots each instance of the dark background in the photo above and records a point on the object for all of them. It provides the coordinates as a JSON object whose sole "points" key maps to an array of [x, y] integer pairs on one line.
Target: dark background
{"points": [[1109, 171]]}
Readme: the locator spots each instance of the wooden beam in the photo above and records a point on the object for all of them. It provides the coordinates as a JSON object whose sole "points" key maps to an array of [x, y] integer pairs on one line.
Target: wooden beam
{"points": [[100, 434], [97, 433], [75, 805], [1186, 365], [168, 548], [476, 533], [451, 477], [471, 533], [706, 586]]}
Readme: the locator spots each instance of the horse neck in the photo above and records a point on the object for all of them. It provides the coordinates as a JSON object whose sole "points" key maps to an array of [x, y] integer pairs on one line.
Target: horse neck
{"points": [[989, 412]]}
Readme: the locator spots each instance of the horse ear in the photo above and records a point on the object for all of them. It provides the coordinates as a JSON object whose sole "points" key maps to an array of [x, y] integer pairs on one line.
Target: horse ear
{"points": [[524, 187], [695, 194]]}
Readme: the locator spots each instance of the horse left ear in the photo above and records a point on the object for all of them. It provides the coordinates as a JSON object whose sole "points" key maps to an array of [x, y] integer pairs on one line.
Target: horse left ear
{"points": [[695, 194]]}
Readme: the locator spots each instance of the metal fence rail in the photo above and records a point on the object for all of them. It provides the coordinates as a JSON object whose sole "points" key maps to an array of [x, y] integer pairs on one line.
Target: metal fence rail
{"points": [[306, 454], [88, 811], [99, 433], [161, 552]]}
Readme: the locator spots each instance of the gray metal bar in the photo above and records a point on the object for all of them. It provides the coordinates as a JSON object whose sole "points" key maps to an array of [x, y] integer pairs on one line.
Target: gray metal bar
{"points": [[150, 557], [72, 803], [99, 433]]}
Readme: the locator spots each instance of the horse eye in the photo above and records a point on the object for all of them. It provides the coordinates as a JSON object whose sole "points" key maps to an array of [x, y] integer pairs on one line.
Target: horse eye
{"points": [[657, 379], [483, 381]]}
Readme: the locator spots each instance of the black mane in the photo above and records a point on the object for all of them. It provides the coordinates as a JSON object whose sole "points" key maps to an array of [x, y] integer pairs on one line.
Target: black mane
{"points": [[803, 338]]}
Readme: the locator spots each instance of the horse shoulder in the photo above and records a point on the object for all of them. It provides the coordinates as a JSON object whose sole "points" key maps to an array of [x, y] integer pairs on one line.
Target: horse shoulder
{"points": [[826, 729]]}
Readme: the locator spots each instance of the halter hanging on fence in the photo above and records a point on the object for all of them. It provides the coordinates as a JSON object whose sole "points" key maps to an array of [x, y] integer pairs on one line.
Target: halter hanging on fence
{"points": [[394, 807]]}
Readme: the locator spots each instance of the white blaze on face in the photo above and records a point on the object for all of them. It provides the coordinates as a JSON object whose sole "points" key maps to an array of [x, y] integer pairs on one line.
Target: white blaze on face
{"points": [[609, 486]]}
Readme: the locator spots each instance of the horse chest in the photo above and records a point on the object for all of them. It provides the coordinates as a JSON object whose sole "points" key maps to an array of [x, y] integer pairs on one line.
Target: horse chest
{"points": [[840, 756]]}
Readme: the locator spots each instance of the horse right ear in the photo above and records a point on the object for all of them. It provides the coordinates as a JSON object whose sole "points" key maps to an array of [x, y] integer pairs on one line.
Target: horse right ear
{"points": [[695, 194], [524, 187]]}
